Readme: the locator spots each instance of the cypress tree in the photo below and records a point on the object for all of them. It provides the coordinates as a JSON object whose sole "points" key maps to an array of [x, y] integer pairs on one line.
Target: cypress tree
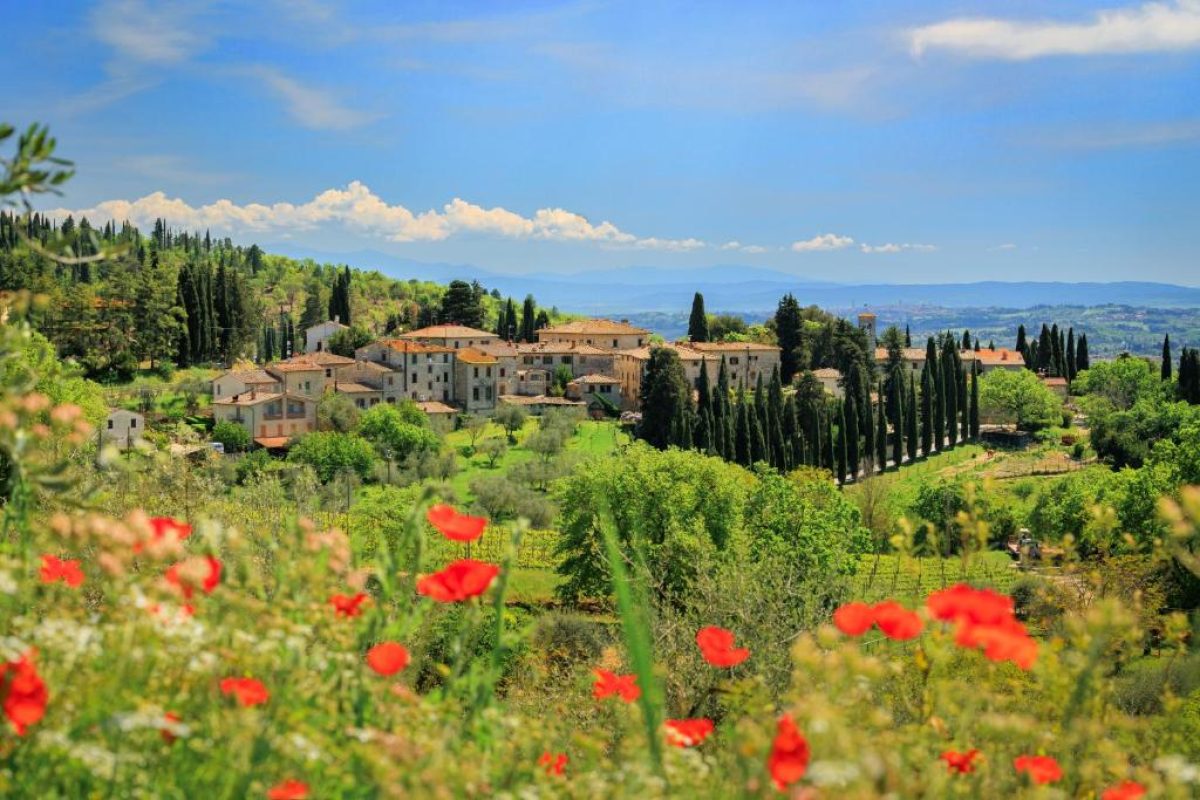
{"points": [[776, 444], [1022, 345], [881, 434], [698, 323], [898, 425], [907, 337], [1070, 354], [1045, 350], [791, 433], [910, 419], [975, 404], [704, 411], [966, 340], [666, 400], [951, 377], [788, 326], [829, 456], [816, 438], [1166, 357], [742, 435], [852, 453], [528, 319], [926, 411], [939, 396], [841, 450], [1082, 361], [761, 424], [1056, 355], [964, 407]]}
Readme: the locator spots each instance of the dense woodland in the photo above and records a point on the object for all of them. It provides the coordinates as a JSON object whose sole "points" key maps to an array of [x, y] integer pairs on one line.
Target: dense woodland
{"points": [[179, 298]]}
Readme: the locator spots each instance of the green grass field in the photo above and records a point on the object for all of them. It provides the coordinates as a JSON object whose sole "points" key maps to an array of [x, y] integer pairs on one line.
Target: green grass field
{"points": [[910, 579]]}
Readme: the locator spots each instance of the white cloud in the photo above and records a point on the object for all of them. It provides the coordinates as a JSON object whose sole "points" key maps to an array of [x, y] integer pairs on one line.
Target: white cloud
{"points": [[1150, 27], [310, 106], [825, 241], [152, 33], [358, 208], [896, 248], [743, 248], [1007, 246]]}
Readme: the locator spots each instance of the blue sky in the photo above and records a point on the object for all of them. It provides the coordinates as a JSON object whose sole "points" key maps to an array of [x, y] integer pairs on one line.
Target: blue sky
{"points": [[854, 141]]}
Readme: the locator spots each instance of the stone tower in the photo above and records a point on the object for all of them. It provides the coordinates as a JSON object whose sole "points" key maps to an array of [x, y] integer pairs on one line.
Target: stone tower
{"points": [[866, 321]]}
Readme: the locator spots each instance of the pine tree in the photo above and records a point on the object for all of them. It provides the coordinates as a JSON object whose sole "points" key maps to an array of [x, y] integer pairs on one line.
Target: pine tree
{"points": [[881, 434], [788, 330], [1166, 357], [852, 452], [698, 323], [975, 404], [1082, 361], [926, 411], [910, 420], [841, 450]]}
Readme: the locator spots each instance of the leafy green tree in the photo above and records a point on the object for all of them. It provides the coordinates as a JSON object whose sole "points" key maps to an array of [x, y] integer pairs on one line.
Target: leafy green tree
{"points": [[232, 436], [462, 304], [726, 327], [384, 426], [698, 322], [674, 513], [330, 453], [1018, 397], [345, 341], [511, 418], [1121, 382], [336, 412]]}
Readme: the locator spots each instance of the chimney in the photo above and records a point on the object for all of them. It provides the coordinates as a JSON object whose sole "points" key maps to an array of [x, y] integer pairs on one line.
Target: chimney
{"points": [[1004, 356]]}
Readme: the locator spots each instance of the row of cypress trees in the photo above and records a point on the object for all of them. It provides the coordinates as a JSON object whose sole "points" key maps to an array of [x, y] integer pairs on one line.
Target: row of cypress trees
{"points": [[807, 428], [1054, 353]]}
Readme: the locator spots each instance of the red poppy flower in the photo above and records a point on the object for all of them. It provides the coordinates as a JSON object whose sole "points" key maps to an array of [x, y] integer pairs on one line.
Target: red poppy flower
{"points": [[687, 732], [454, 526], [960, 762], [387, 658], [347, 605], [24, 692], [167, 735], [248, 691], [202, 571], [554, 763], [1127, 790], [288, 790], [716, 645], [854, 619], [968, 604], [1040, 769], [1007, 641], [896, 621], [459, 581], [56, 569], [162, 526], [789, 754], [609, 683]]}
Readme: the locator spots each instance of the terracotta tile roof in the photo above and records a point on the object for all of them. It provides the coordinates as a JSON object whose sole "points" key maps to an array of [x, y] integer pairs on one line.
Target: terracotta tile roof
{"points": [[323, 358], [272, 442], [731, 347], [371, 366], [599, 327], [563, 348], [434, 407], [448, 332], [907, 353], [404, 346], [469, 355], [248, 376], [332, 322], [584, 379], [999, 356], [1054, 381], [349, 387], [294, 366], [498, 348], [248, 399]]}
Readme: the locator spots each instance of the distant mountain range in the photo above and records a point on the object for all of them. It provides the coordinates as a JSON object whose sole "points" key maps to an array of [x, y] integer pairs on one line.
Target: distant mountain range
{"points": [[754, 290]]}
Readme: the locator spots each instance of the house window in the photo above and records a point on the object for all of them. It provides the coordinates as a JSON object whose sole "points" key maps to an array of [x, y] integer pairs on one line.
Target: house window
{"points": [[445, 358], [457, 345], [133, 422], [615, 343], [547, 359], [487, 393], [475, 393], [733, 360], [566, 359], [489, 372], [476, 372], [328, 373], [414, 378], [527, 360], [389, 381], [307, 386], [360, 403], [110, 424], [445, 394], [502, 372]]}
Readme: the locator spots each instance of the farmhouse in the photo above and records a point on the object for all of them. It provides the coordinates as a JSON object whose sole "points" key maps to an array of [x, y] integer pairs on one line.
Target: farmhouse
{"points": [[452, 336], [316, 337], [475, 380], [123, 428], [238, 381], [745, 361], [271, 418], [631, 364], [830, 380], [421, 371]]}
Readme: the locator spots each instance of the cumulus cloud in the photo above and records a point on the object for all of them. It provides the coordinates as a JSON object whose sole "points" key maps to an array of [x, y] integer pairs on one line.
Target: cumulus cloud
{"points": [[358, 208], [825, 241], [896, 248], [1147, 28], [743, 248]]}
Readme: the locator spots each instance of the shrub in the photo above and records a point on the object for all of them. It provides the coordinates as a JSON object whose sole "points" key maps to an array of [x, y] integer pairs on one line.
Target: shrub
{"points": [[233, 436], [386, 427], [329, 453]]}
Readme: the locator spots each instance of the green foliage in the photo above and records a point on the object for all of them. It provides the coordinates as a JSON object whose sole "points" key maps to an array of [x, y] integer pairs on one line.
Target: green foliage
{"points": [[666, 401], [330, 453], [1018, 397], [385, 426], [1121, 382], [233, 436], [336, 412], [345, 341], [680, 509]]}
